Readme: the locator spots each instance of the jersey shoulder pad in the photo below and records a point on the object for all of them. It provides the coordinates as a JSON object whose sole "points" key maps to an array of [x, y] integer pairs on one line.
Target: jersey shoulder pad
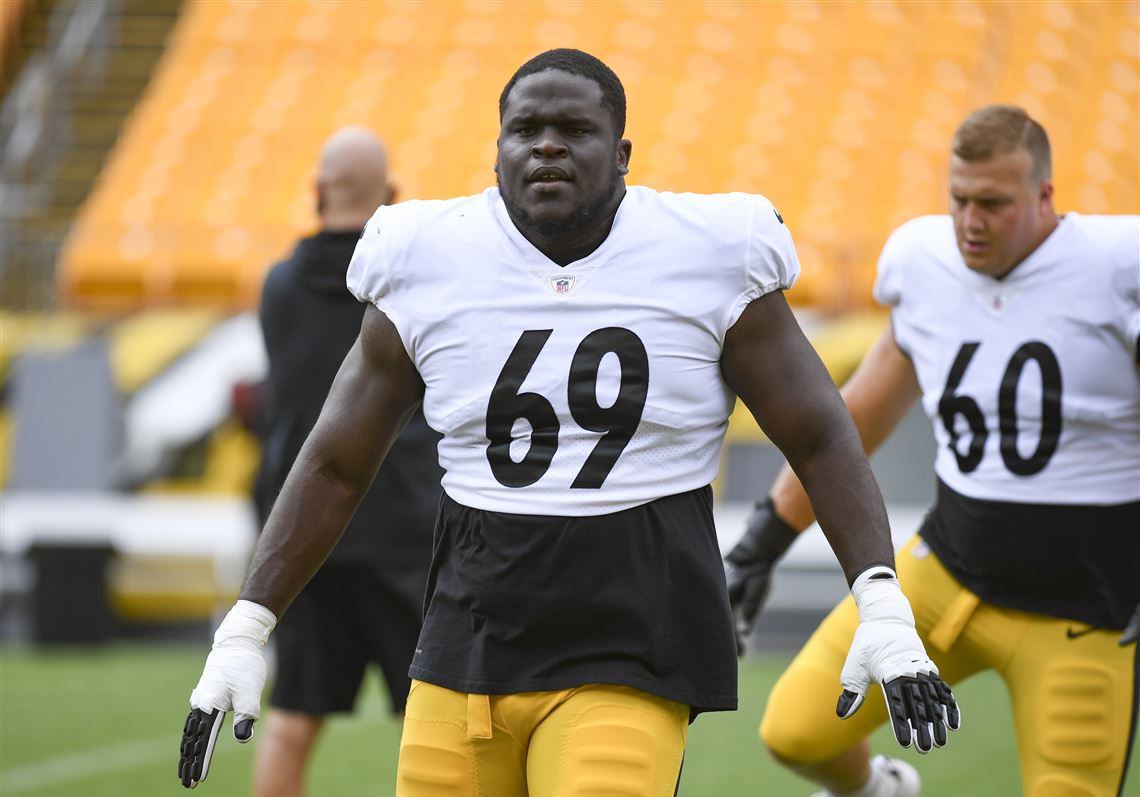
{"points": [[769, 261], [772, 259], [1117, 236], [1118, 240], [913, 247], [389, 241]]}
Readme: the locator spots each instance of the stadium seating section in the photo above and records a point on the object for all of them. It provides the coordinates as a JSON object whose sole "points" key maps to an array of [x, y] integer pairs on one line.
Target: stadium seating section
{"points": [[10, 13], [840, 113]]}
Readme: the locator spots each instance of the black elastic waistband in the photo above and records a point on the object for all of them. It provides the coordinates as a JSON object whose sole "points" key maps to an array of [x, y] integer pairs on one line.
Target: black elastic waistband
{"points": [[1078, 562]]}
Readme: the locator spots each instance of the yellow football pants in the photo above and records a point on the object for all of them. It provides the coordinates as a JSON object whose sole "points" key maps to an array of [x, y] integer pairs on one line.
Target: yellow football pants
{"points": [[596, 740], [1072, 688]]}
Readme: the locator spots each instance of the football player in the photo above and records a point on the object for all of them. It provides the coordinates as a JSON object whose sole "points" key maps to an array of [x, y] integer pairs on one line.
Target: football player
{"points": [[1017, 329], [580, 346], [364, 606]]}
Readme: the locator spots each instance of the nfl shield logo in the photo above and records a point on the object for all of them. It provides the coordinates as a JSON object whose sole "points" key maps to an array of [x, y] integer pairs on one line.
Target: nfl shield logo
{"points": [[561, 284]]}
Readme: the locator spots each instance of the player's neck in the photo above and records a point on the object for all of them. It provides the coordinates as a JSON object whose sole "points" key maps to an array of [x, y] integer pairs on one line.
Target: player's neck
{"points": [[564, 252], [575, 238], [343, 221]]}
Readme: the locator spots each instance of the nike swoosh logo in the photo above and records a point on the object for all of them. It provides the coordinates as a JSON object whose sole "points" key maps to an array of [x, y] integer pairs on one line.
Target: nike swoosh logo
{"points": [[1071, 634]]}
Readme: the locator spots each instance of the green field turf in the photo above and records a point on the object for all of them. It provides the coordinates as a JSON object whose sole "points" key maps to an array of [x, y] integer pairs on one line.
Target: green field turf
{"points": [[106, 723]]}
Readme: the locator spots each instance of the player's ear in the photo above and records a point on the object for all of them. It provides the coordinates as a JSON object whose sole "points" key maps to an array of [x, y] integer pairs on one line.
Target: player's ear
{"points": [[319, 191], [624, 152]]}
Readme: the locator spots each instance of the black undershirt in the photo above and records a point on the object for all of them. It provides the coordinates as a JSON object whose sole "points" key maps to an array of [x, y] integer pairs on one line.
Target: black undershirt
{"points": [[1075, 562], [521, 603]]}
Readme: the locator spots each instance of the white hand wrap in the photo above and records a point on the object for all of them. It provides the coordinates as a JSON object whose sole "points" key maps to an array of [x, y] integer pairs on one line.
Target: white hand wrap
{"points": [[234, 674], [886, 645]]}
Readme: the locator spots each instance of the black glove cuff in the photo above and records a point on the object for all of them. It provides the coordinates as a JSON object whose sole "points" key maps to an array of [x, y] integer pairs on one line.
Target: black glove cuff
{"points": [[766, 536]]}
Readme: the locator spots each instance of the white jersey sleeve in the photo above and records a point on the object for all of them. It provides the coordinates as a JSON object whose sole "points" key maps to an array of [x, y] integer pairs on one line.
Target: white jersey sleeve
{"points": [[888, 287], [369, 277], [901, 247], [1119, 237], [770, 260], [368, 271], [381, 271]]}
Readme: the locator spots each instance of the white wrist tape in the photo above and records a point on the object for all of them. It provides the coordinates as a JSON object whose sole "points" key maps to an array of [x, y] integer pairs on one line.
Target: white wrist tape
{"points": [[246, 621], [881, 599], [235, 669]]}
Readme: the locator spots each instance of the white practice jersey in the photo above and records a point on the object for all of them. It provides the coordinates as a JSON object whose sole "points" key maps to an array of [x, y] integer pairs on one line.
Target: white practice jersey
{"points": [[577, 390], [1030, 381]]}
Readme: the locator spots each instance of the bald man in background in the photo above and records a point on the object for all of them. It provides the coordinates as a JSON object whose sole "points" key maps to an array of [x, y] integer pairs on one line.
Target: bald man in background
{"points": [[365, 604]]}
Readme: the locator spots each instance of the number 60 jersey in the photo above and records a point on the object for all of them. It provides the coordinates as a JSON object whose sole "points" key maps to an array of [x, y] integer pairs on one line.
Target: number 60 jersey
{"points": [[1031, 383], [579, 390]]}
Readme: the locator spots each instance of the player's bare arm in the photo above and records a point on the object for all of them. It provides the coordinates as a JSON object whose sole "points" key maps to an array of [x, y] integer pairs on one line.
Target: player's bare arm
{"points": [[878, 396], [807, 420], [374, 393]]}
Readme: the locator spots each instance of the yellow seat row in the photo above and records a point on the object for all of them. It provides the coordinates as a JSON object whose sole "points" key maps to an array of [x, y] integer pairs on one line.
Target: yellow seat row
{"points": [[839, 112]]}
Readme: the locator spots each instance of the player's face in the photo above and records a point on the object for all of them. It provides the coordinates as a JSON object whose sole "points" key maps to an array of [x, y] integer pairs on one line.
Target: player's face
{"points": [[560, 161], [1001, 213]]}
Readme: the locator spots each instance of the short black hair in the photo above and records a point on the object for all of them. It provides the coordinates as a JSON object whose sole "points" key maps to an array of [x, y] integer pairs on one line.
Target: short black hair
{"points": [[579, 63]]}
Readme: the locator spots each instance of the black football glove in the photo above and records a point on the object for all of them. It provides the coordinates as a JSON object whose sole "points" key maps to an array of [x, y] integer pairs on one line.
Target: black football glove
{"points": [[748, 566], [1132, 630], [887, 650]]}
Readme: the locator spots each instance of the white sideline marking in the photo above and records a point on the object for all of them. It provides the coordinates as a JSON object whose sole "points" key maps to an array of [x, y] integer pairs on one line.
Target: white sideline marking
{"points": [[99, 761], [111, 759]]}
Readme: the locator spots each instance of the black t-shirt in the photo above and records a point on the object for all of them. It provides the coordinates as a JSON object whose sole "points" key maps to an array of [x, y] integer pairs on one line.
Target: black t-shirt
{"points": [[520, 603], [310, 321], [1071, 561]]}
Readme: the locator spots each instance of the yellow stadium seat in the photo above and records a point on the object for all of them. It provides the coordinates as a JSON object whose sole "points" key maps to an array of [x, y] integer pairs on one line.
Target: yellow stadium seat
{"points": [[840, 113]]}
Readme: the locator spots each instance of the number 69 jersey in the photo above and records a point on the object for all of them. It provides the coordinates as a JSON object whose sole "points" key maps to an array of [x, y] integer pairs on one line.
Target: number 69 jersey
{"points": [[579, 390], [1032, 386]]}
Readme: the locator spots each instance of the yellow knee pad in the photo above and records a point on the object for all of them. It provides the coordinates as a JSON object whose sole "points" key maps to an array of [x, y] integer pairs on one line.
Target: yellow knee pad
{"points": [[607, 753], [784, 730], [800, 725], [1059, 786], [426, 769], [1075, 714], [606, 739]]}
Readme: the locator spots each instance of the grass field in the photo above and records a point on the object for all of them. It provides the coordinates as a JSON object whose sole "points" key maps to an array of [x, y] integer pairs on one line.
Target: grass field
{"points": [[106, 723]]}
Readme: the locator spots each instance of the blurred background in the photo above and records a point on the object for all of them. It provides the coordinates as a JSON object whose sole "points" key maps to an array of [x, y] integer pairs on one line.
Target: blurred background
{"points": [[157, 158]]}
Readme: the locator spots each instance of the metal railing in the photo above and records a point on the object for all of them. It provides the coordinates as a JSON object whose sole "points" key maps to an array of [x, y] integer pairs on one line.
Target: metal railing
{"points": [[36, 130]]}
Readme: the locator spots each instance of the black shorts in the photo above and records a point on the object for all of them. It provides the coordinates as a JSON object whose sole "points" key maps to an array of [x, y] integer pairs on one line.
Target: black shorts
{"points": [[344, 619]]}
